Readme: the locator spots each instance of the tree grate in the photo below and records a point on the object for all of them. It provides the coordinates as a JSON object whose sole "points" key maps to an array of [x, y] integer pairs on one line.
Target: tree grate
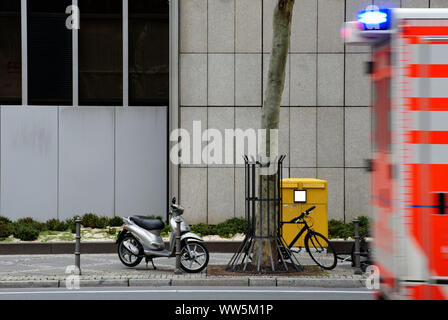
{"points": [[263, 213]]}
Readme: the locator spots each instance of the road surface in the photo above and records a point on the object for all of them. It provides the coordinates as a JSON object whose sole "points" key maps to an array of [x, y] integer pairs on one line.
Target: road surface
{"points": [[187, 293]]}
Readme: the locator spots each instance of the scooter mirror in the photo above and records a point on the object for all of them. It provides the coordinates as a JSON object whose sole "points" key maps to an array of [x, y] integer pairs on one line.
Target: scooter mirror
{"points": [[173, 201]]}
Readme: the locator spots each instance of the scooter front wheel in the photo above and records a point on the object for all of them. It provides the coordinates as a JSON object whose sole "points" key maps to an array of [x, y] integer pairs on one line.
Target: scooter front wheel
{"points": [[194, 257], [127, 257]]}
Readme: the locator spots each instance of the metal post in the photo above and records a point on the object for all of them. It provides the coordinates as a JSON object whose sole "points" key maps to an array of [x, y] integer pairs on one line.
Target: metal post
{"points": [[125, 53], [75, 54], [24, 35], [78, 245], [357, 248], [177, 269]]}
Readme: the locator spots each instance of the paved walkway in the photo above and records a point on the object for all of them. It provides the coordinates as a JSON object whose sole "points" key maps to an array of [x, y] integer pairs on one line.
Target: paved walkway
{"points": [[106, 269]]}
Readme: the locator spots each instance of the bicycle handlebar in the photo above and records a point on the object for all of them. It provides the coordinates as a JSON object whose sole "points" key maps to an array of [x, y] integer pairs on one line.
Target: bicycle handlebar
{"points": [[306, 212]]}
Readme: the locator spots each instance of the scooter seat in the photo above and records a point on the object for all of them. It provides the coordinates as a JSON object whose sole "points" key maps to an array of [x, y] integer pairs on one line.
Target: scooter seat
{"points": [[148, 223]]}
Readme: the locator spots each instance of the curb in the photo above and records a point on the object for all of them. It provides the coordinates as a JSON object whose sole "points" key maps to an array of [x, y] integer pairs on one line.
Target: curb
{"points": [[257, 282], [25, 248], [30, 284], [237, 282], [149, 282], [240, 282], [326, 283], [98, 283]]}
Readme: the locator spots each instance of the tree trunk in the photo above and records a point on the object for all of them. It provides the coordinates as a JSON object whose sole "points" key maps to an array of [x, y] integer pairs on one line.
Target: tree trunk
{"points": [[270, 120]]}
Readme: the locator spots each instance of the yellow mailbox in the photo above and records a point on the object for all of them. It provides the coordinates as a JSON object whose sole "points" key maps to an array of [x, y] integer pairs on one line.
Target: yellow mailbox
{"points": [[299, 194]]}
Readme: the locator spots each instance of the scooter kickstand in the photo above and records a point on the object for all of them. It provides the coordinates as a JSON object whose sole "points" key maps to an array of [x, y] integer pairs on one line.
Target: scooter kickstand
{"points": [[152, 262]]}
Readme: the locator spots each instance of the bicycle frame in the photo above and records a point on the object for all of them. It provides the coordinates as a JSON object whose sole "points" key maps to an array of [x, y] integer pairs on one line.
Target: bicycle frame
{"points": [[305, 228], [301, 220]]}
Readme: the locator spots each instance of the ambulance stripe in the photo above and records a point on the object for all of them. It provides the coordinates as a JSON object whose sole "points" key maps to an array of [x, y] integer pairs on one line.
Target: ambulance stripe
{"points": [[428, 70], [428, 104], [422, 206], [430, 120], [436, 22], [429, 137], [430, 87], [426, 31], [429, 54], [430, 154]]}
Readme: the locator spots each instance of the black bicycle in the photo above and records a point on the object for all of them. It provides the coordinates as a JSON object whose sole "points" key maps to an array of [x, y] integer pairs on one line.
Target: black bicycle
{"points": [[316, 244]]}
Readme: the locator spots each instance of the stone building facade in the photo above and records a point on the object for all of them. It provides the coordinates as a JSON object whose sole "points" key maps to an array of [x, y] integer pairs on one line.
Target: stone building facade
{"points": [[325, 115]]}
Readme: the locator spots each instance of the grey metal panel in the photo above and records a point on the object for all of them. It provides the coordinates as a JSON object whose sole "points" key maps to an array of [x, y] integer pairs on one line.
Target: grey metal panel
{"points": [[29, 162], [141, 161], [86, 161]]}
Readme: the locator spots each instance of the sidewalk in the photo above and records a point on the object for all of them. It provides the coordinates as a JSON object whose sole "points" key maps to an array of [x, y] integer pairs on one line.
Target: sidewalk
{"points": [[21, 271]]}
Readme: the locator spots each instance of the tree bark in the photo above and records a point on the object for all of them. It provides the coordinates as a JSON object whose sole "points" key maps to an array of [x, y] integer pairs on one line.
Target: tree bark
{"points": [[270, 120]]}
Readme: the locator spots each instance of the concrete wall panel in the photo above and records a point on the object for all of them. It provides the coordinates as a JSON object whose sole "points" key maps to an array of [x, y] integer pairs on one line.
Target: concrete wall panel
{"points": [[331, 18], [304, 27], [248, 31], [193, 26], [86, 161], [193, 79], [29, 162], [221, 26], [221, 80], [221, 182], [193, 183], [141, 161]]}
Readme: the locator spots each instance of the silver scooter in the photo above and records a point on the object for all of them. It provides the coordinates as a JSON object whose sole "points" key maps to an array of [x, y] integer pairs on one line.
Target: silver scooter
{"points": [[140, 238]]}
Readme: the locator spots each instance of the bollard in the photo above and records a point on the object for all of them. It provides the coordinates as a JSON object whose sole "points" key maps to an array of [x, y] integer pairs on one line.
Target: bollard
{"points": [[357, 248], [177, 269], [78, 245]]}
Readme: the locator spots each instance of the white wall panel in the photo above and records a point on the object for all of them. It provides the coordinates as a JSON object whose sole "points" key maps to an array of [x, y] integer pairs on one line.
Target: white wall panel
{"points": [[86, 161], [141, 161], [29, 162]]}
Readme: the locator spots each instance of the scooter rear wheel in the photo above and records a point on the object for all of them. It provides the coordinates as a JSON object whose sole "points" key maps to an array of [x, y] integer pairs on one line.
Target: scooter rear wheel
{"points": [[194, 257], [128, 258]]}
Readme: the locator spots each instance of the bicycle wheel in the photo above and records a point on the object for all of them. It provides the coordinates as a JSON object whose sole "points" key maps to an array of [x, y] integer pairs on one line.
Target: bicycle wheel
{"points": [[320, 250]]}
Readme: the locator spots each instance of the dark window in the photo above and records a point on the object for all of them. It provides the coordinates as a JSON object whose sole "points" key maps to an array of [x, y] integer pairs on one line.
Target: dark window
{"points": [[100, 52], [10, 52], [148, 52], [49, 53]]}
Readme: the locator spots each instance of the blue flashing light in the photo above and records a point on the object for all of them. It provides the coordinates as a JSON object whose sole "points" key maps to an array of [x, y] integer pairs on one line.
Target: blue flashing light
{"points": [[375, 19]]}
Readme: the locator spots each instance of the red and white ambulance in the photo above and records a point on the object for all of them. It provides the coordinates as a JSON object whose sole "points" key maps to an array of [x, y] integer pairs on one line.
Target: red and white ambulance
{"points": [[409, 70]]}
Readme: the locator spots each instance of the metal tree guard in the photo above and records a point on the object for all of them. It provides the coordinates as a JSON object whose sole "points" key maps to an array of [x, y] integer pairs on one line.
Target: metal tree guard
{"points": [[246, 259]]}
